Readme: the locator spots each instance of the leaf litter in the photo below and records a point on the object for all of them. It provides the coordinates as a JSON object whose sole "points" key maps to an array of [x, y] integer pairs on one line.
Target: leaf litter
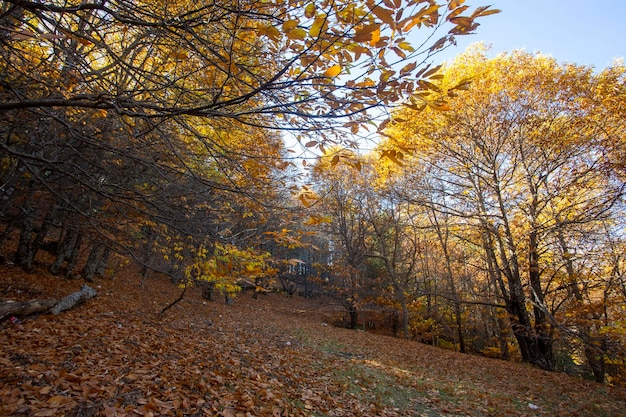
{"points": [[271, 356]]}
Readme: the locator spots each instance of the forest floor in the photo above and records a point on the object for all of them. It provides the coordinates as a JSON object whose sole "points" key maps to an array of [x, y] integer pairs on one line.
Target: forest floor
{"points": [[271, 356]]}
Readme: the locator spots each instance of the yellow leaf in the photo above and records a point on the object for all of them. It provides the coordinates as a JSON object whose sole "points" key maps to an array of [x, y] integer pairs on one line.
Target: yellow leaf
{"points": [[271, 32], [297, 33], [332, 71], [309, 10], [316, 27], [304, 201], [368, 82], [289, 24], [406, 46]]}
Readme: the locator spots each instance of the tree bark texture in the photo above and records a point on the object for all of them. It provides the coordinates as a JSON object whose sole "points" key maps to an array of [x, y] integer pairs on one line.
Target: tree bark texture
{"points": [[25, 308], [74, 299]]}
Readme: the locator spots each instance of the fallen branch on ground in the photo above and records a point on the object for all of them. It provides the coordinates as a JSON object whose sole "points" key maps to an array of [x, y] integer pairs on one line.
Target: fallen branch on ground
{"points": [[74, 299], [28, 308], [25, 308]]}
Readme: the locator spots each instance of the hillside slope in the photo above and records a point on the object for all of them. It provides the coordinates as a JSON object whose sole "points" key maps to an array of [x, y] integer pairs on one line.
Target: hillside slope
{"points": [[272, 356]]}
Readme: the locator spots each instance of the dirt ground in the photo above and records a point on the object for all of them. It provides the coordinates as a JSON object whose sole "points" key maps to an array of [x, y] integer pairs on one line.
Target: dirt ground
{"points": [[271, 356]]}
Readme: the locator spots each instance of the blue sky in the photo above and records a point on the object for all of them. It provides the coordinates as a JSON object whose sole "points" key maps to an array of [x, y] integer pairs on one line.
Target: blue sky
{"points": [[585, 32]]}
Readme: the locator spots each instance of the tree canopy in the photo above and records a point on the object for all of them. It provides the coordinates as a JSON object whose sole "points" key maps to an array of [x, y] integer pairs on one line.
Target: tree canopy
{"points": [[497, 215], [130, 125]]}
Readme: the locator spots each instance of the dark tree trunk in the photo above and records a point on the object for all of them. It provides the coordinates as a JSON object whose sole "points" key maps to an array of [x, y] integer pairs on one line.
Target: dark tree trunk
{"points": [[48, 222], [354, 316], [73, 257], [3, 240], [503, 338], [542, 328], [22, 254], [505, 270], [102, 263], [596, 363], [65, 250], [93, 261], [208, 290]]}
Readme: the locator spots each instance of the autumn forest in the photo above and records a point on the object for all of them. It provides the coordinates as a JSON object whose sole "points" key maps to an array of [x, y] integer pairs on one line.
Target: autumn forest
{"points": [[318, 150]]}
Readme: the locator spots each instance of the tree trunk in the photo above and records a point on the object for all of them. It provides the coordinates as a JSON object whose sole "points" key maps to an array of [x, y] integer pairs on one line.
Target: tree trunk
{"points": [[68, 251], [22, 254], [3, 240], [73, 257], [543, 329], [102, 263], [48, 222], [354, 316], [405, 318], [443, 235], [593, 354], [208, 290], [63, 251], [93, 261], [515, 301]]}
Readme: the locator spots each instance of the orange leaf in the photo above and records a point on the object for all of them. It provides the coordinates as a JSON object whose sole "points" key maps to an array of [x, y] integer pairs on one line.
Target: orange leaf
{"points": [[455, 3], [483, 11], [364, 33], [332, 71], [383, 14], [375, 37]]}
